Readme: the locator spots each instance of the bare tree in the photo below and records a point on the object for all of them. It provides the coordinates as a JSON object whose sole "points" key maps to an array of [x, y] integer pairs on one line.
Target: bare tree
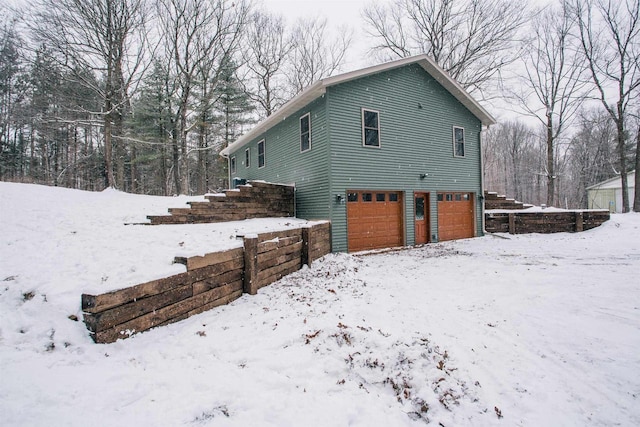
{"points": [[266, 50], [106, 36], [510, 159], [609, 34], [470, 39], [592, 153], [197, 33], [636, 198], [314, 54], [553, 87]]}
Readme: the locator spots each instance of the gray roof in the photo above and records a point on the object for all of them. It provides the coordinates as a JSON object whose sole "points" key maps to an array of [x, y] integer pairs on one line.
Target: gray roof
{"points": [[318, 89], [615, 182]]}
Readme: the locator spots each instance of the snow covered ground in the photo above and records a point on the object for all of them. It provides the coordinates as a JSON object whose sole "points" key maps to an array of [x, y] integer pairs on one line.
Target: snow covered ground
{"points": [[526, 331]]}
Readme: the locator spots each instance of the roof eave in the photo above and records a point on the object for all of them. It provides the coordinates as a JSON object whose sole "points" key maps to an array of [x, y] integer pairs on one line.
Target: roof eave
{"points": [[303, 98], [319, 88], [456, 90]]}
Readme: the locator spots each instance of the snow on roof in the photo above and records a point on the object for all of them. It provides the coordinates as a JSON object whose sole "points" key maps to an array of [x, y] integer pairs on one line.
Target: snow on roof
{"points": [[614, 182]]}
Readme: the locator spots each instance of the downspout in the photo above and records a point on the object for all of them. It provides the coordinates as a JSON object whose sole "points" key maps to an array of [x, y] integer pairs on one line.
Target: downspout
{"points": [[226, 156], [482, 181]]}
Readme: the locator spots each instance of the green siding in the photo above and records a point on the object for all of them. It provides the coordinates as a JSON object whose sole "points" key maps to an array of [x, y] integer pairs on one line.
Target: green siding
{"points": [[285, 164], [417, 116]]}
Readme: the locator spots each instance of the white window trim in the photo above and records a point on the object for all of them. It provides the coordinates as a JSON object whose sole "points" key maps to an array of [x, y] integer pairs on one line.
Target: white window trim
{"points": [[247, 157], [464, 142], [362, 110], [233, 164], [300, 124], [264, 153]]}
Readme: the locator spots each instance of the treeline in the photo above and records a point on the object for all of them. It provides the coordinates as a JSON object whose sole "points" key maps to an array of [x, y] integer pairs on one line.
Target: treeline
{"points": [[143, 95]]}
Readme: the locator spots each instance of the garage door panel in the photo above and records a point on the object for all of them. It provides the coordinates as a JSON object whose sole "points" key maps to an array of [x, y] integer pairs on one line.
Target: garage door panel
{"points": [[456, 217], [374, 221]]}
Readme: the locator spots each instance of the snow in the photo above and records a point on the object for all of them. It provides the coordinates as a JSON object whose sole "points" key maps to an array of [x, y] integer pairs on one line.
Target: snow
{"points": [[539, 209], [541, 329]]}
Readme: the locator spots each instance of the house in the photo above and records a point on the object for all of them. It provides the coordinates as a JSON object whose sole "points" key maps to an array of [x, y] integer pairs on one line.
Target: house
{"points": [[608, 194], [390, 154]]}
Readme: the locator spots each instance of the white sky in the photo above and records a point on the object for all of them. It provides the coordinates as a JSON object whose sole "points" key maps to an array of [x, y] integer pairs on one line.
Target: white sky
{"points": [[349, 13], [338, 12]]}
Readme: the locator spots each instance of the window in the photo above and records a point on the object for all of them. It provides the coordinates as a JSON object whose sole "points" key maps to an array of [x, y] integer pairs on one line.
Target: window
{"points": [[233, 164], [305, 133], [381, 197], [247, 157], [370, 128], [440, 197], [367, 197], [352, 197], [261, 154], [393, 197], [419, 208], [458, 142]]}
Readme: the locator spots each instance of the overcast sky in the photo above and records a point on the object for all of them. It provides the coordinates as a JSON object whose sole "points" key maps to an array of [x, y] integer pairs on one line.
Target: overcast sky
{"points": [[338, 12], [349, 13]]}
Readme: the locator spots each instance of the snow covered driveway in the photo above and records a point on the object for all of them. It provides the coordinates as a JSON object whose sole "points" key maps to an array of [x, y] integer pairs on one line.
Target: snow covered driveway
{"points": [[534, 330]]}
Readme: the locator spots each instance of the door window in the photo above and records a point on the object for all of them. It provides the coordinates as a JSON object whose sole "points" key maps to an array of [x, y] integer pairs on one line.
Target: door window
{"points": [[419, 208]]}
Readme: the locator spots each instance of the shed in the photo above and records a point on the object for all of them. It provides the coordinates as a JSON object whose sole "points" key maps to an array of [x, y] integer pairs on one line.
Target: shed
{"points": [[608, 194]]}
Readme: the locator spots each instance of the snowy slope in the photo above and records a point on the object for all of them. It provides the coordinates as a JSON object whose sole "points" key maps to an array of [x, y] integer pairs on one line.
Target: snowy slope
{"points": [[539, 329]]}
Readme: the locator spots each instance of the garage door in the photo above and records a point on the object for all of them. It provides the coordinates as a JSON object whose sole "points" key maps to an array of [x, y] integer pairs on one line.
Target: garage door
{"points": [[455, 216], [374, 219]]}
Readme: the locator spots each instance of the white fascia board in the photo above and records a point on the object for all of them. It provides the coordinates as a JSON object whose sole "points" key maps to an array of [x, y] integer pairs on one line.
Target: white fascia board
{"points": [[319, 88], [294, 104]]}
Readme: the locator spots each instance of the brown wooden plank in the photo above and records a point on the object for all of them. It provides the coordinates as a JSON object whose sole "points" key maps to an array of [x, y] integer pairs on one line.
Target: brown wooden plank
{"points": [[163, 315], [280, 234], [266, 277], [206, 298], [216, 303], [286, 251], [274, 244], [212, 258], [251, 265], [102, 302], [123, 313], [217, 281]]}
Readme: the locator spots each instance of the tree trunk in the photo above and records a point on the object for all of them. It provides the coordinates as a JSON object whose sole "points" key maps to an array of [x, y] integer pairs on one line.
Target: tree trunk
{"points": [[176, 162], [202, 155], [551, 176], [636, 198], [134, 171], [108, 155], [184, 161], [623, 164]]}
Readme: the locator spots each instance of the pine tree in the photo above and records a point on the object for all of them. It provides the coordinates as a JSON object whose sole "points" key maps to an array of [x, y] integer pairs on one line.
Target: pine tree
{"points": [[151, 126], [235, 112]]}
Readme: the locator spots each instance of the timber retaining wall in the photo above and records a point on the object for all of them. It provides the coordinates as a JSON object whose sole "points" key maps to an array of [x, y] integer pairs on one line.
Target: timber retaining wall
{"points": [[256, 199], [211, 280], [544, 222]]}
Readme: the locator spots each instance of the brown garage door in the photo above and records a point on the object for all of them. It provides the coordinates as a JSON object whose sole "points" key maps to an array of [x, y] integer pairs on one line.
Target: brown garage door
{"points": [[374, 219], [455, 216]]}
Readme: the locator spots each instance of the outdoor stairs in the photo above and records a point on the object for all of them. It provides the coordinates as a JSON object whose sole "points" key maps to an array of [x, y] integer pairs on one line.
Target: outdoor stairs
{"points": [[493, 201], [256, 199]]}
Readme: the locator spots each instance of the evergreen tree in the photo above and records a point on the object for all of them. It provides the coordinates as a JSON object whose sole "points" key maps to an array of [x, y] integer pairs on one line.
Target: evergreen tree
{"points": [[152, 125], [236, 112], [12, 88]]}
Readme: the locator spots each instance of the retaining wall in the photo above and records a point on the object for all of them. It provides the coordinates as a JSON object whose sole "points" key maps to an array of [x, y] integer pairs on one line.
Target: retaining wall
{"points": [[211, 280], [254, 200], [544, 222]]}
